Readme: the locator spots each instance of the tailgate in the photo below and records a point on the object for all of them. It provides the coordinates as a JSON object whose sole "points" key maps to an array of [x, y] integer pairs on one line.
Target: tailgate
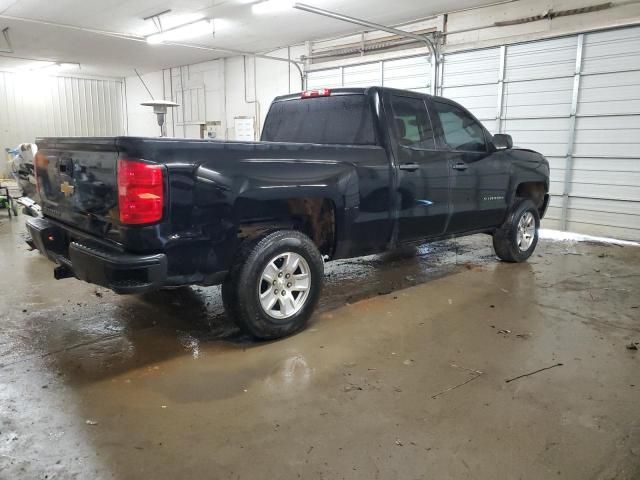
{"points": [[78, 182]]}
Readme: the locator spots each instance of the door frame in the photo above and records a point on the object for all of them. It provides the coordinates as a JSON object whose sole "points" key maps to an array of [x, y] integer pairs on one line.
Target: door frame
{"points": [[394, 154]]}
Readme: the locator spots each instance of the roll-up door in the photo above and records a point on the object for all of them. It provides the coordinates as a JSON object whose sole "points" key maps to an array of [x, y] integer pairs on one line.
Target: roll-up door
{"points": [[536, 106], [471, 79], [604, 182], [38, 106], [410, 73], [575, 99]]}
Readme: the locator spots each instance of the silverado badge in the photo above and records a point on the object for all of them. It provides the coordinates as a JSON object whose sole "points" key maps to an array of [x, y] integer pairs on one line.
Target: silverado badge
{"points": [[67, 189]]}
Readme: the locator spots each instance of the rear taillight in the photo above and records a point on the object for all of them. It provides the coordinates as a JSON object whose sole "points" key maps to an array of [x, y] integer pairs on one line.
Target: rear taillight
{"points": [[140, 192], [320, 92]]}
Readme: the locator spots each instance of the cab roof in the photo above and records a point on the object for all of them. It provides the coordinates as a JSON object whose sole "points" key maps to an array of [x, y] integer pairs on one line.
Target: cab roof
{"points": [[345, 91]]}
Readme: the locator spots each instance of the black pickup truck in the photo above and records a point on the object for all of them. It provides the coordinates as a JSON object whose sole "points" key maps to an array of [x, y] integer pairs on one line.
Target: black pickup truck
{"points": [[338, 173]]}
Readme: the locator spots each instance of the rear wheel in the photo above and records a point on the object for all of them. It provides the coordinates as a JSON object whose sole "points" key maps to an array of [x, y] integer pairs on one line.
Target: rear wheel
{"points": [[517, 238], [274, 284]]}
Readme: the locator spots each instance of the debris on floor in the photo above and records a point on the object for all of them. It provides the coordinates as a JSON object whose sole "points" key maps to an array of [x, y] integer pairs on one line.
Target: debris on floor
{"points": [[534, 372], [352, 387], [475, 374]]}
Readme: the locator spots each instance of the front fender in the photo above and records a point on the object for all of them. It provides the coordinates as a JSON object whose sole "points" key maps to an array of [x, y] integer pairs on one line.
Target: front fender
{"points": [[527, 166]]}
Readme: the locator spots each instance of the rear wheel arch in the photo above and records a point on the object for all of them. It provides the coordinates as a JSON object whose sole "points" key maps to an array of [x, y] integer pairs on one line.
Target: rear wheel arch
{"points": [[314, 216]]}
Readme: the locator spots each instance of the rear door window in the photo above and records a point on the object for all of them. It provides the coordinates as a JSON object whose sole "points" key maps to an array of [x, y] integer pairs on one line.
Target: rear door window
{"points": [[411, 122], [460, 131], [338, 119]]}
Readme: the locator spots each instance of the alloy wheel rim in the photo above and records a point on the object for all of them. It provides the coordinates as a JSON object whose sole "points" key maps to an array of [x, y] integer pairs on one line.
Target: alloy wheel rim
{"points": [[284, 285], [526, 231]]}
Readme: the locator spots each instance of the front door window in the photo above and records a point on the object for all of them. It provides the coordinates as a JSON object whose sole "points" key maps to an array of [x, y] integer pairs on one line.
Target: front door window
{"points": [[460, 131]]}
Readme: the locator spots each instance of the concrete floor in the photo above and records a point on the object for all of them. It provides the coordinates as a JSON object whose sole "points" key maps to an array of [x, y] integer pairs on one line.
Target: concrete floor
{"points": [[401, 375]]}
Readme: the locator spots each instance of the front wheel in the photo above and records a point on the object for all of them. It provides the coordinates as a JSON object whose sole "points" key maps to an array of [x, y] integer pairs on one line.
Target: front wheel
{"points": [[274, 284], [517, 238]]}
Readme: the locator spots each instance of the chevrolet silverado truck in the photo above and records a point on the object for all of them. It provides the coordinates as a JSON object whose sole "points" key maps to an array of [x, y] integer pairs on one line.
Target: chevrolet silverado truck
{"points": [[338, 173]]}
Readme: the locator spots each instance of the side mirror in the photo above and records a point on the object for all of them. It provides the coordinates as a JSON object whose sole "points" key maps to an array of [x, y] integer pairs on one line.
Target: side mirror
{"points": [[502, 141]]}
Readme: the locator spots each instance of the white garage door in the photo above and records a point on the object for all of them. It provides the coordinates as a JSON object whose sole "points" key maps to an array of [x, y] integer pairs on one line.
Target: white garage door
{"points": [[604, 194], [32, 107], [577, 100], [411, 73], [471, 79]]}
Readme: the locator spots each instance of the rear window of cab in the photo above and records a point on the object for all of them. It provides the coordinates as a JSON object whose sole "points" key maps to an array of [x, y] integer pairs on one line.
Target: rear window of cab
{"points": [[338, 120]]}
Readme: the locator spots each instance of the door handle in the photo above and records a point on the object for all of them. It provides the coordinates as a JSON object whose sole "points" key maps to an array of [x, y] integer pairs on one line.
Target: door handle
{"points": [[411, 167], [460, 166]]}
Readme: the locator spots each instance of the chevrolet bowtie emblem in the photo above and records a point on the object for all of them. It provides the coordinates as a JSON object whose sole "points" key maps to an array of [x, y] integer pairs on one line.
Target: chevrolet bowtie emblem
{"points": [[67, 189]]}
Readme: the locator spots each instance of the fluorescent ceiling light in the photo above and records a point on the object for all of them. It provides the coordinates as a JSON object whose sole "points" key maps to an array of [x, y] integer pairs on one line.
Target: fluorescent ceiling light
{"points": [[195, 29], [46, 66], [271, 6]]}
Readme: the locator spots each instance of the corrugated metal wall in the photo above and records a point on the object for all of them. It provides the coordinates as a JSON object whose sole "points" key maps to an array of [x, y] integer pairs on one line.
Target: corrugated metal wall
{"points": [[33, 106], [576, 99], [604, 195]]}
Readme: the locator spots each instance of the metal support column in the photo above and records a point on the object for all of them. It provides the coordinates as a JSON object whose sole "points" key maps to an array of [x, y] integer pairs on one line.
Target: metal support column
{"points": [[503, 61], [568, 169]]}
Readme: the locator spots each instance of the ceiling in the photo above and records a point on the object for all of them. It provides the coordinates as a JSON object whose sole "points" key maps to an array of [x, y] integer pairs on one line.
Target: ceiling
{"points": [[237, 27]]}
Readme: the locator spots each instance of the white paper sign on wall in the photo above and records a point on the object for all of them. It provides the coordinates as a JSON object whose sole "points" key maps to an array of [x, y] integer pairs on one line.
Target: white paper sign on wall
{"points": [[244, 129]]}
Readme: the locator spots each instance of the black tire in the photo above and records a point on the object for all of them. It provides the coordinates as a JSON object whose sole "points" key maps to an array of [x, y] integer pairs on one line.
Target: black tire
{"points": [[241, 288], [505, 239]]}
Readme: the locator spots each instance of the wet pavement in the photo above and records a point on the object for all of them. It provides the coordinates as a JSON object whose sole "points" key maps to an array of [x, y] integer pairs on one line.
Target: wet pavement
{"points": [[401, 373]]}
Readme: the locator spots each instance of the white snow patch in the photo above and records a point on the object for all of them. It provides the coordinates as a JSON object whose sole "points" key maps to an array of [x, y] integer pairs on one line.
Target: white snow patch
{"points": [[558, 235]]}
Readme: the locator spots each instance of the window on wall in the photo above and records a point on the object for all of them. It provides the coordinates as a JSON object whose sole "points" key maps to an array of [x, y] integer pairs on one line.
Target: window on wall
{"points": [[459, 130], [411, 122]]}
